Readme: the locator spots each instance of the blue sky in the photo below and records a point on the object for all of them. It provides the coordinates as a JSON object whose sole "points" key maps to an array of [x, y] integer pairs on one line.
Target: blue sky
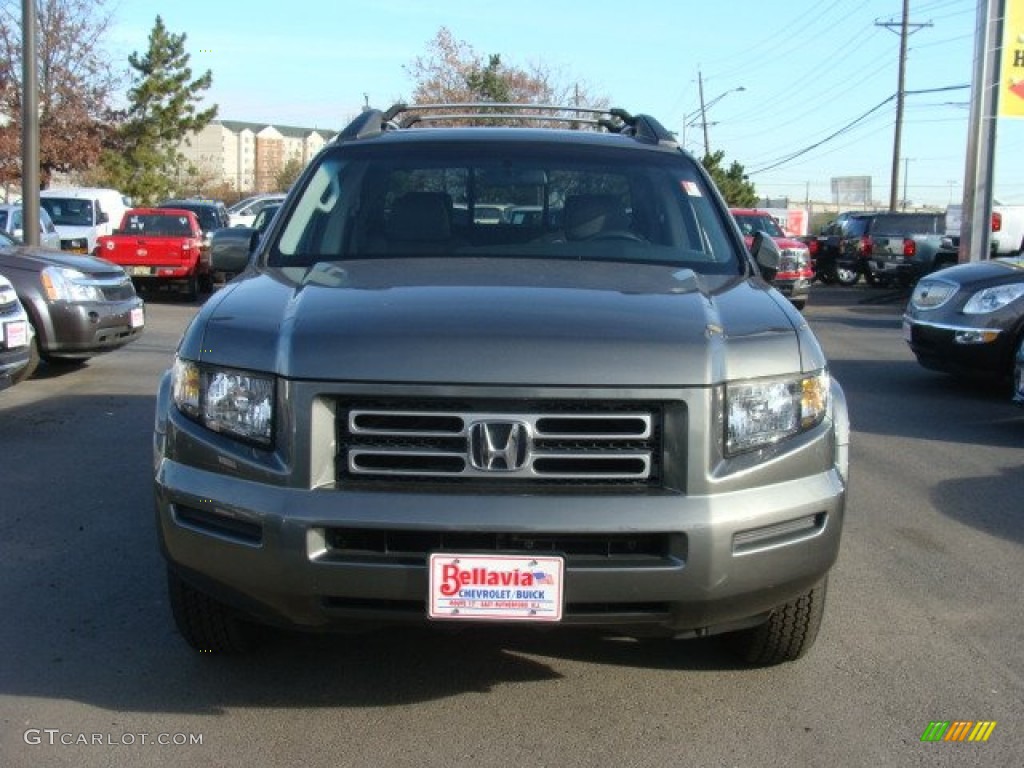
{"points": [[807, 68]]}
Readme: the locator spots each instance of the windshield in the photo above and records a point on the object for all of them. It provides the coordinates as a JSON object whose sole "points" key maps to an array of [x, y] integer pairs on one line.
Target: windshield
{"points": [[758, 222], [68, 211], [207, 215], [522, 201], [158, 225], [909, 224]]}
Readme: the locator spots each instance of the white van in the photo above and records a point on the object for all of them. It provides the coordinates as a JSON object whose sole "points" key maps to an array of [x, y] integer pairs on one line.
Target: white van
{"points": [[81, 214]]}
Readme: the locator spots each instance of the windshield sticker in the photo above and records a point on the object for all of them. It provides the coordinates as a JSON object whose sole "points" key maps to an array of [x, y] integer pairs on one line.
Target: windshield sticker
{"points": [[691, 189]]}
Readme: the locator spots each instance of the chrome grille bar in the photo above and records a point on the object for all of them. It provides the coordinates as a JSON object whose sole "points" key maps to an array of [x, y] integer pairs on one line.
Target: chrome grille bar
{"points": [[499, 445]]}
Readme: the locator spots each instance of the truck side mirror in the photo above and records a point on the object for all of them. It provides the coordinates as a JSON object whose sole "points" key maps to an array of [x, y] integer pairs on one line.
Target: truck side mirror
{"points": [[230, 254], [767, 255]]}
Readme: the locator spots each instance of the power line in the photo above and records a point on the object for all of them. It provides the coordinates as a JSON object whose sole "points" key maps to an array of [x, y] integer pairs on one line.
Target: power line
{"points": [[852, 124], [827, 139]]}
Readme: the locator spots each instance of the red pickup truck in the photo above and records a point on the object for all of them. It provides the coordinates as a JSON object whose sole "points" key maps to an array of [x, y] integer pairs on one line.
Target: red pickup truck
{"points": [[160, 246]]}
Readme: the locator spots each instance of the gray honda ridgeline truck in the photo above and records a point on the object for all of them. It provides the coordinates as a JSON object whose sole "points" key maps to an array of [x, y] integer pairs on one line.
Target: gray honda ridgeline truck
{"points": [[521, 374]]}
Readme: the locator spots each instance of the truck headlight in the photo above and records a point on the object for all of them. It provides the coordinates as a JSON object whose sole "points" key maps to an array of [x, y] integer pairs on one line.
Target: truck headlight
{"points": [[762, 412], [233, 402], [991, 299], [63, 284]]}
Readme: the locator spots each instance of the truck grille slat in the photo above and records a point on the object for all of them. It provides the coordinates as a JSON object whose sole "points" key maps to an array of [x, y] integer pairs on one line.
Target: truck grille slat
{"points": [[483, 442]]}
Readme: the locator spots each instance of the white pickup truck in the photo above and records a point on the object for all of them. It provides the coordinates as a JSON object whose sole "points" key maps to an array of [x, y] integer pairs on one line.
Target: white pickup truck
{"points": [[1007, 228]]}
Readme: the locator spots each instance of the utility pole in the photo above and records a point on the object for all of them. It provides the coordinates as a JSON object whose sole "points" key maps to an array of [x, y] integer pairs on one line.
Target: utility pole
{"points": [[904, 27], [703, 113]]}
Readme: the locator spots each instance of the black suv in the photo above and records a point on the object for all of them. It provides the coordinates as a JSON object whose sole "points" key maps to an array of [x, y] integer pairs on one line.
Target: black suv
{"points": [[212, 214], [593, 410]]}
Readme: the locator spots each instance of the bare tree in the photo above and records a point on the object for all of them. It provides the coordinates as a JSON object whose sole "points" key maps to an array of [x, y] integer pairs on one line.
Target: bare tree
{"points": [[75, 86], [452, 72]]}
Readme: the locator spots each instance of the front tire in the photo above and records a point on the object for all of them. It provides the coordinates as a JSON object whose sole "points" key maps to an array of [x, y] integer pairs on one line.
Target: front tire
{"points": [[788, 634], [206, 624], [206, 282], [192, 288], [845, 276], [33, 362]]}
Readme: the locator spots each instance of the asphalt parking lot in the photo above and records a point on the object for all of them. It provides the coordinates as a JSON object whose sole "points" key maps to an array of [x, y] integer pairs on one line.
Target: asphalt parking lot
{"points": [[923, 624]]}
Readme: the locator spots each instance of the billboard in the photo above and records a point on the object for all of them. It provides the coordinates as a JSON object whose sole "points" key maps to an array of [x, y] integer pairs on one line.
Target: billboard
{"points": [[851, 190], [1011, 76]]}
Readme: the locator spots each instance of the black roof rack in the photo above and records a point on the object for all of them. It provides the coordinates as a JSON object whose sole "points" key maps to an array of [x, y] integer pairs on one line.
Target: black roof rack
{"points": [[373, 122]]}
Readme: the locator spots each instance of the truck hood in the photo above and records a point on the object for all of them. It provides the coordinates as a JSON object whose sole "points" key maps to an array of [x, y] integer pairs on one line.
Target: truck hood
{"points": [[502, 322]]}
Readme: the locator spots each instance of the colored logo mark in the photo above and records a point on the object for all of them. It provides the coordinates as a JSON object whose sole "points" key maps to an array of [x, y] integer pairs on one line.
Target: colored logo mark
{"points": [[958, 730]]}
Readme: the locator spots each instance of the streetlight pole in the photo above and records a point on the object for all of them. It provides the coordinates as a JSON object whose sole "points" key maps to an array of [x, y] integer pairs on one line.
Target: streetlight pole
{"points": [[701, 113], [29, 126]]}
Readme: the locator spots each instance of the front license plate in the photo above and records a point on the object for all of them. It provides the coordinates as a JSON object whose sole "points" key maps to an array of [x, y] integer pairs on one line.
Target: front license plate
{"points": [[139, 271], [15, 334], [137, 317], [495, 587], [907, 333]]}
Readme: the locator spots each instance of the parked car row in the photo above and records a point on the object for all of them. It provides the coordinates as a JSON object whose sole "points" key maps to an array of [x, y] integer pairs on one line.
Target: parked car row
{"points": [[885, 248]]}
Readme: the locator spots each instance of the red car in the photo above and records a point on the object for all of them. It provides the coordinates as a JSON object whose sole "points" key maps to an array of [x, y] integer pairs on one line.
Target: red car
{"points": [[160, 246], [795, 273]]}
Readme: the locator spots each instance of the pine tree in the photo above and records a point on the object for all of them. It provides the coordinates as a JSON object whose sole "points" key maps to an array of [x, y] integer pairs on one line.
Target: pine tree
{"points": [[735, 186], [162, 110]]}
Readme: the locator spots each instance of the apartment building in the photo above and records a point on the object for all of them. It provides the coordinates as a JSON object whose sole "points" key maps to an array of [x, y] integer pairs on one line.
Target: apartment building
{"points": [[249, 156]]}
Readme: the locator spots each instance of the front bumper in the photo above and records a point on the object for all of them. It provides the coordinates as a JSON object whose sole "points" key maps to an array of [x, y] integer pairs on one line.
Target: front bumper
{"points": [[959, 348], [12, 361], [323, 557], [88, 329], [795, 289], [14, 324]]}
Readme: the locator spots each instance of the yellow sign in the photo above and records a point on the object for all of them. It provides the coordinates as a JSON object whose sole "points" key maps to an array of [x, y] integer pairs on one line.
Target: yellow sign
{"points": [[1011, 87]]}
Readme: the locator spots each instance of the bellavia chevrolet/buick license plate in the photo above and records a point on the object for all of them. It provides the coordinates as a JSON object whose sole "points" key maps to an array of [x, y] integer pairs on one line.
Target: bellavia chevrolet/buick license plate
{"points": [[496, 587]]}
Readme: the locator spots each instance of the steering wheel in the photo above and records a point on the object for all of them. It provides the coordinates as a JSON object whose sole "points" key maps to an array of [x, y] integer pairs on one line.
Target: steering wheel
{"points": [[618, 234]]}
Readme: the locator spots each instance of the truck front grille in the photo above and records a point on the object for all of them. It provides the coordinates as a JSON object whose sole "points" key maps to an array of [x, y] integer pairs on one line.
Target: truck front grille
{"points": [[114, 287], [489, 443]]}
